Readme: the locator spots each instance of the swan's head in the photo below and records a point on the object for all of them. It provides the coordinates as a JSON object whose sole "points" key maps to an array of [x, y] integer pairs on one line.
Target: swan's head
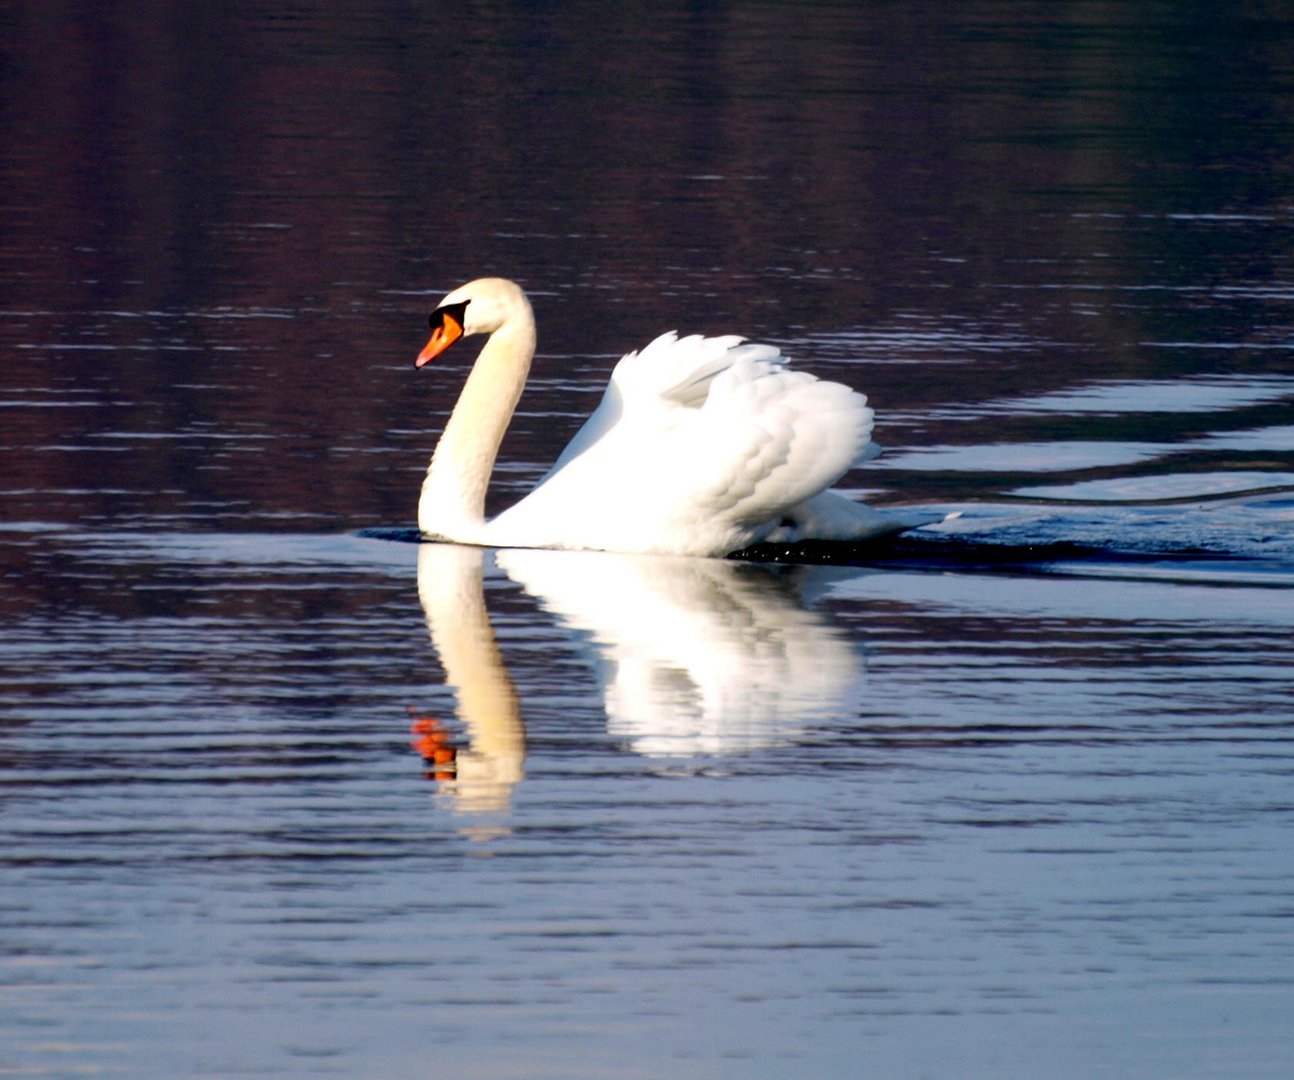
{"points": [[479, 307]]}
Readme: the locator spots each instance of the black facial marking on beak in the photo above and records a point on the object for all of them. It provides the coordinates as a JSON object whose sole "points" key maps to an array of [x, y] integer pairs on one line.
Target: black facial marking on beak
{"points": [[454, 311]]}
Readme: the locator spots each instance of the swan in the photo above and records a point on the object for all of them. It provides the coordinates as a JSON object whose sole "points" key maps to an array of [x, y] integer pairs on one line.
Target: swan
{"points": [[700, 446]]}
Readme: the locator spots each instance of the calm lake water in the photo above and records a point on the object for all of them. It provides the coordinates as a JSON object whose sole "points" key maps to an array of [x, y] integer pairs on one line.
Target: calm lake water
{"points": [[285, 794]]}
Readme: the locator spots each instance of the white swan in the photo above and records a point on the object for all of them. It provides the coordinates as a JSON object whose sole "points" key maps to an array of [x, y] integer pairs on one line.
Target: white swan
{"points": [[700, 446]]}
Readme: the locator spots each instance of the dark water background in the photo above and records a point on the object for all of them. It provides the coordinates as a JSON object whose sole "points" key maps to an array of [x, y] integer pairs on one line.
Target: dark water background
{"points": [[1006, 800]]}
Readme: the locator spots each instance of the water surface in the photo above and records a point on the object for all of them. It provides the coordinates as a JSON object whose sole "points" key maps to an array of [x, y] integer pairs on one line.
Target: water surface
{"points": [[284, 794]]}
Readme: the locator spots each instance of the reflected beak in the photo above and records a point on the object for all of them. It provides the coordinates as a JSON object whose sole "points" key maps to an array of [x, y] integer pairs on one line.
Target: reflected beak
{"points": [[448, 332]]}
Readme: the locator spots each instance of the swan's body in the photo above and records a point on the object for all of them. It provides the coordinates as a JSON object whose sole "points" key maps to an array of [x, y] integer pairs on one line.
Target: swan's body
{"points": [[700, 446]]}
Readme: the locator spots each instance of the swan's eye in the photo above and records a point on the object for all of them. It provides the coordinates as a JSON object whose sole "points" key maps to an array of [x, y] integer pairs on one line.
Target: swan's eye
{"points": [[454, 311]]}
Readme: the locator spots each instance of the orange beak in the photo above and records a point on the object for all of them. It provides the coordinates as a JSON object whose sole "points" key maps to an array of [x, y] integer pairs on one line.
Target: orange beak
{"points": [[448, 332]]}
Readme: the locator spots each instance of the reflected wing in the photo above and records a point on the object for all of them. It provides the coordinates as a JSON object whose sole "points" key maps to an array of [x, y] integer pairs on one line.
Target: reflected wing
{"points": [[698, 655]]}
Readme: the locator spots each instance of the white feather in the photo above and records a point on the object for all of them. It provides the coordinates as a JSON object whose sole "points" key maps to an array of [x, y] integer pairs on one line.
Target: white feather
{"points": [[700, 446]]}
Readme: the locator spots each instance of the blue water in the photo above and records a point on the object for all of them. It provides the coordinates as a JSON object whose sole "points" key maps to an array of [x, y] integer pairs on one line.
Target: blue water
{"points": [[284, 793], [743, 819]]}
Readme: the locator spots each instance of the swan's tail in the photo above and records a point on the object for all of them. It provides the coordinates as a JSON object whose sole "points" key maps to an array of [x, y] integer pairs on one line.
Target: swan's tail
{"points": [[833, 516]]}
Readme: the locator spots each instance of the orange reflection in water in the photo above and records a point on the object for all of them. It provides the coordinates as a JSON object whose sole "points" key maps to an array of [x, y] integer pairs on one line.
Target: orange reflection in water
{"points": [[431, 738]]}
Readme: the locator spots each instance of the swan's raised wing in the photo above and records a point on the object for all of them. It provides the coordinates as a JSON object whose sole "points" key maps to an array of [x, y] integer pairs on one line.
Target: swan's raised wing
{"points": [[768, 438], [699, 446], [670, 373], [675, 373]]}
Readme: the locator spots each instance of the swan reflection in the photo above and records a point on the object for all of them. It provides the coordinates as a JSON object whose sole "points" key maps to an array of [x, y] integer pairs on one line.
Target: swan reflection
{"points": [[694, 657], [698, 656], [479, 777]]}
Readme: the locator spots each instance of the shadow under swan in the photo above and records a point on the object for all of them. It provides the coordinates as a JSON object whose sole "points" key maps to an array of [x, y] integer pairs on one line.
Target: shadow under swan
{"points": [[694, 657]]}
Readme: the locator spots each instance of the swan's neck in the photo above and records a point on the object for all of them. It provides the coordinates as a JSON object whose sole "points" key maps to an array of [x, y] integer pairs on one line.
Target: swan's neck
{"points": [[452, 504]]}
